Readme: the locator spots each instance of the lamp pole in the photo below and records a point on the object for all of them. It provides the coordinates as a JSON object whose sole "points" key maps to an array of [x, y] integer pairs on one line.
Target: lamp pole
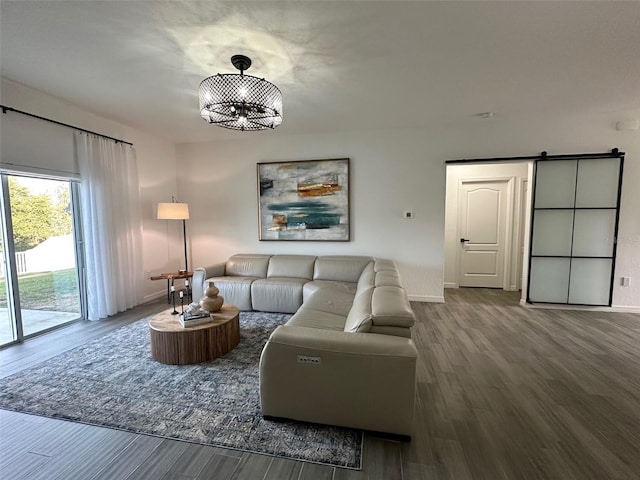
{"points": [[184, 238]]}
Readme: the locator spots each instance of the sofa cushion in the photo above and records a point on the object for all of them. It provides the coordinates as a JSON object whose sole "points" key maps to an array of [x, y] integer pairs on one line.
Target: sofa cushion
{"points": [[385, 265], [310, 288], [388, 278], [248, 265], [360, 315], [390, 306], [333, 297], [312, 318], [367, 277], [341, 268], [295, 266], [277, 294], [234, 290], [388, 330]]}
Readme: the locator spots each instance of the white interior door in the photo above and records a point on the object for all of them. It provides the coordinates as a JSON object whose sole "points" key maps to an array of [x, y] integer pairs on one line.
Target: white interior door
{"points": [[482, 225]]}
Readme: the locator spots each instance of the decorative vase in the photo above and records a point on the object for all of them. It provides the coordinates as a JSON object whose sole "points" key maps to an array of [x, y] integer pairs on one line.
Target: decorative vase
{"points": [[211, 302]]}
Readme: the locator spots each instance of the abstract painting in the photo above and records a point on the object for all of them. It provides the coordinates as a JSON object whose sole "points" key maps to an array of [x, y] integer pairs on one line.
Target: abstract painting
{"points": [[304, 200]]}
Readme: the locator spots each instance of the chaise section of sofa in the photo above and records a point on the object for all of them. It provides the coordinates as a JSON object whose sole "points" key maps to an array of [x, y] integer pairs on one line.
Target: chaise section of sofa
{"points": [[358, 380]]}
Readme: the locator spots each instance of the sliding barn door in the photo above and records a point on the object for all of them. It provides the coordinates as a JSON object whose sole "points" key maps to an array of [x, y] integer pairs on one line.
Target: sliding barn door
{"points": [[574, 227]]}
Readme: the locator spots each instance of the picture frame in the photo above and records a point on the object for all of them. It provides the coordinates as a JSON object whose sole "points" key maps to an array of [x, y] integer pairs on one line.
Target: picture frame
{"points": [[304, 200]]}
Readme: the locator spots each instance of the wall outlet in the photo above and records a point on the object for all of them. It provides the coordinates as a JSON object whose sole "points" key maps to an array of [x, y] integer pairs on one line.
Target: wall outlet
{"points": [[309, 360], [626, 281], [407, 214]]}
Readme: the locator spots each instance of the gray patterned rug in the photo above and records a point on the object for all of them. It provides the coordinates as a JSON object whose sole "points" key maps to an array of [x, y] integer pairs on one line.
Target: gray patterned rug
{"points": [[114, 382]]}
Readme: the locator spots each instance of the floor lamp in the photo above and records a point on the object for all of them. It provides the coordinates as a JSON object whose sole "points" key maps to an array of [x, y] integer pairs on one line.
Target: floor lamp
{"points": [[176, 211]]}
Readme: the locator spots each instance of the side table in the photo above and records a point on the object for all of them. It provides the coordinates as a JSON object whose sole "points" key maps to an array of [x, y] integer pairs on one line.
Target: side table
{"points": [[173, 344], [170, 277]]}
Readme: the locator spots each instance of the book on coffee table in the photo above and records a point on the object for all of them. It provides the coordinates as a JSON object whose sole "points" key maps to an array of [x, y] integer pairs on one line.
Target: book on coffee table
{"points": [[187, 320]]}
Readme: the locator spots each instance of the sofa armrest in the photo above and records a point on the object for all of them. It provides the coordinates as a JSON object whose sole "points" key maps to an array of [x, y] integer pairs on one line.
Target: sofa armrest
{"points": [[359, 380], [333, 341], [200, 274]]}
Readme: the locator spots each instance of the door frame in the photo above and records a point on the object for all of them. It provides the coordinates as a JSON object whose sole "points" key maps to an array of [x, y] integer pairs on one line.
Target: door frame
{"points": [[11, 270], [508, 230], [520, 226]]}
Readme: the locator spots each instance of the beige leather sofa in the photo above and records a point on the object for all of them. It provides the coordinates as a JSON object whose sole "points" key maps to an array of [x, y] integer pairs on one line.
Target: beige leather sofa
{"points": [[346, 356]]}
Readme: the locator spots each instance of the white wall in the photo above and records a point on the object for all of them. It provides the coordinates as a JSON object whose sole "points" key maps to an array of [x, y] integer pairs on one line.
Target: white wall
{"points": [[455, 173], [392, 171], [162, 242]]}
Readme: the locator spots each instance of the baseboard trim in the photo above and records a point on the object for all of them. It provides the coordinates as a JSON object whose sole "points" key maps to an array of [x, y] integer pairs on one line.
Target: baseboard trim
{"points": [[612, 309], [426, 298], [625, 309], [451, 285], [154, 296]]}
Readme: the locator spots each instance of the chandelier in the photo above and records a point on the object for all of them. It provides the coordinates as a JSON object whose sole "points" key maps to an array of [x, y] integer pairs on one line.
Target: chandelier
{"points": [[239, 101]]}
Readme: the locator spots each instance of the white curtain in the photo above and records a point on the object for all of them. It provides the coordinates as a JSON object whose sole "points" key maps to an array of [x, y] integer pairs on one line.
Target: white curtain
{"points": [[111, 224]]}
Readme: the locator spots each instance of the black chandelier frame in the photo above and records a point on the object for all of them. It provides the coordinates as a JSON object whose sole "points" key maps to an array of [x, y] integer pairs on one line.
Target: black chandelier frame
{"points": [[239, 101]]}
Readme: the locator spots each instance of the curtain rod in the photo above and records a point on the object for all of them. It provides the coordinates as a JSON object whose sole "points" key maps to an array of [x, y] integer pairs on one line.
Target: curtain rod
{"points": [[615, 153], [6, 109]]}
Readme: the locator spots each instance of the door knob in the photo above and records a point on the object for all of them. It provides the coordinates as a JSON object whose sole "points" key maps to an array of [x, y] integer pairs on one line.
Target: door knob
{"points": [[462, 240]]}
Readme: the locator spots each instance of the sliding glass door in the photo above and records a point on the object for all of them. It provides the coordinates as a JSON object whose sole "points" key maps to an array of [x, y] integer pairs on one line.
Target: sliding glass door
{"points": [[41, 288]]}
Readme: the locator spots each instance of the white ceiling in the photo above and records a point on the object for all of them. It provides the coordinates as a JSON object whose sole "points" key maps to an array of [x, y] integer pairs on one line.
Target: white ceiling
{"points": [[339, 64]]}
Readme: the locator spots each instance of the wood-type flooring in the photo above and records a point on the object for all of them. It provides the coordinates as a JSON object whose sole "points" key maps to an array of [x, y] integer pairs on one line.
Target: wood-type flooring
{"points": [[504, 392]]}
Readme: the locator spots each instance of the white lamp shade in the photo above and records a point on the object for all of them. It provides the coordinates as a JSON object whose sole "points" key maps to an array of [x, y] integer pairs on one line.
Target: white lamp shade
{"points": [[173, 211]]}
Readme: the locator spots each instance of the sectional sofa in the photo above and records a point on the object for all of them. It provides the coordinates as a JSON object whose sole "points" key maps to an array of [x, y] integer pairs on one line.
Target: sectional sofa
{"points": [[346, 356]]}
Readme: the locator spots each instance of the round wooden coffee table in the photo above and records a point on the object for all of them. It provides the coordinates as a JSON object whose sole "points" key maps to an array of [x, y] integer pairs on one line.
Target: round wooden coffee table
{"points": [[173, 344]]}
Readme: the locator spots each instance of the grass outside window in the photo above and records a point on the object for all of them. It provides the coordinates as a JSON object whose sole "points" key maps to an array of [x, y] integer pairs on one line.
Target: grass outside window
{"points": [[53, 291]]}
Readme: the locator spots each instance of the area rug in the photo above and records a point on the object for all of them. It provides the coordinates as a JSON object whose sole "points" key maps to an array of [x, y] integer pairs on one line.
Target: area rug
{"points": [[114, 382]]}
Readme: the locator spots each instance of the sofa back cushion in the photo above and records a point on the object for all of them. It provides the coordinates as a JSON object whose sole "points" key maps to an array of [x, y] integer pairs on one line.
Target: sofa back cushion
{"points": [[385, 265], [390, 307], [360, 316], [380, 304], [247, 265], [367, 277], [291, 266], [341, 268], [388, 278], [374, 276]]}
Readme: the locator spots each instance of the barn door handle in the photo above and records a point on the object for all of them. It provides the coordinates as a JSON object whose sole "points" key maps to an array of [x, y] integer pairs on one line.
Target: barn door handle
{"points": [[462, 240]]}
